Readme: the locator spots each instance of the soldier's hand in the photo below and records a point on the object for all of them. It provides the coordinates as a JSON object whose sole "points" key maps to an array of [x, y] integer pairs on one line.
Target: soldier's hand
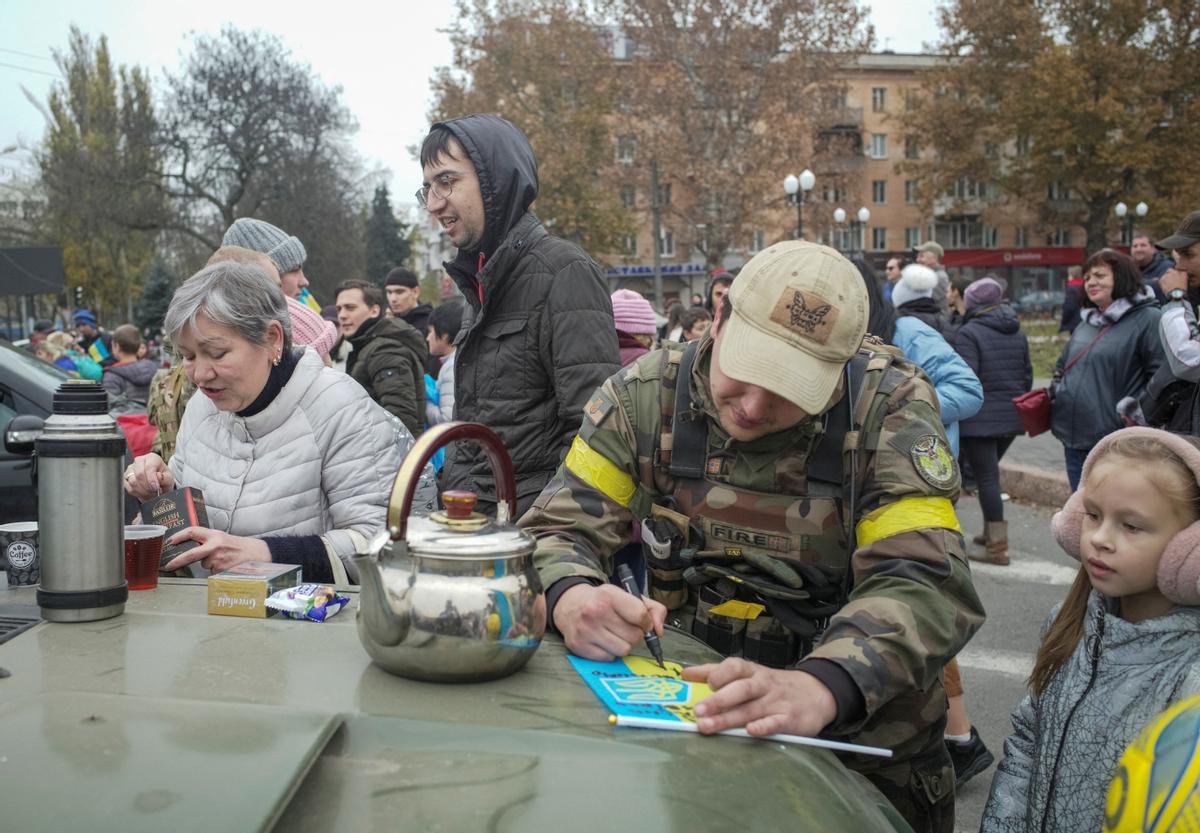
{"points": [[604, 622], [765, 701]]}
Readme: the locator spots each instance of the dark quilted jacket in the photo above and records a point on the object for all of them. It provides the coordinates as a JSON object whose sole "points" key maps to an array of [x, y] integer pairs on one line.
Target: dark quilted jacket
{"points": [[1120, 364], [541, 338], [991, 342]]}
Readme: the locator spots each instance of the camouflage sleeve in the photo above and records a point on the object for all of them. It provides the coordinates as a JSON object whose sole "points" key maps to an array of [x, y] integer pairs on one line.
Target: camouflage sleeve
{"points": [[587, 512], [913, 605]]}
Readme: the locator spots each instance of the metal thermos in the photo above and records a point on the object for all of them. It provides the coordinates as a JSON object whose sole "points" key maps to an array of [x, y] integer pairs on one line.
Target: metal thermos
{"points": [[81, 508]]}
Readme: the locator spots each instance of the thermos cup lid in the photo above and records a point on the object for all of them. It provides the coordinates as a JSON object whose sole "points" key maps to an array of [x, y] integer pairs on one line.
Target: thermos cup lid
{"points": [[77, 396]]}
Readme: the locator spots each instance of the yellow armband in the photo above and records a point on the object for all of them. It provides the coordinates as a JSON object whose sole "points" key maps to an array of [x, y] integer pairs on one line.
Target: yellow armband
{"points": [[906, 515]]}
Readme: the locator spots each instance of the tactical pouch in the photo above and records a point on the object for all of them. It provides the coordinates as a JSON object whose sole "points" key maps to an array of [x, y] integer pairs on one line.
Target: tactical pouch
{"points": [[726, 634], [769, 643], [662, 539]]}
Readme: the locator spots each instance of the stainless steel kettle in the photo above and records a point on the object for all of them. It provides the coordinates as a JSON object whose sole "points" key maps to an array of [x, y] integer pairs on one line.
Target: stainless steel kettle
{"points": [[452, 597]]}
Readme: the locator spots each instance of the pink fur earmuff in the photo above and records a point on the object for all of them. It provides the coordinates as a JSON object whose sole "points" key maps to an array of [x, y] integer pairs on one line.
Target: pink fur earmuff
{"points": [[1179, 568]]}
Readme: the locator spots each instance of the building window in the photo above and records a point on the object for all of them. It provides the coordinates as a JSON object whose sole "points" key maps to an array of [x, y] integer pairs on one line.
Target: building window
{"points": [[961, 233], [879, 239], [832, 193], [1059, 237], [628, 196], [629, 245], [991, 150], [841, 238], [912, 237], [666, 243], [664, 194], [910, 191], [878, 99], [912, 148], [879, 191], [756, 241], [625, 146], [1022, 239], [1057, 191], [1022, 146], [991, 237], [878, 149]]}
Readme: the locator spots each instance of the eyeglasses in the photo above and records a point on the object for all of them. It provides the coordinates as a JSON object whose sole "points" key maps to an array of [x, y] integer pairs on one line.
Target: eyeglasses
{"points": [[442, 190]]}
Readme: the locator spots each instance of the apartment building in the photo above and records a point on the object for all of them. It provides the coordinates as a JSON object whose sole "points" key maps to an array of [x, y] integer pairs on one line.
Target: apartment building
{"points": [[855, 166]]}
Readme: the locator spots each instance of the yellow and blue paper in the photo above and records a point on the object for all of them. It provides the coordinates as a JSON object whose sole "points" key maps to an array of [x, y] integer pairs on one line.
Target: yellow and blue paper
{"points": [[308, 300], [638, 687], [99, 352]]}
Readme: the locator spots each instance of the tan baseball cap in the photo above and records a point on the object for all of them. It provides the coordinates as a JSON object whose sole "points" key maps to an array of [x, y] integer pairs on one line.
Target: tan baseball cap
{"points": [[799, 314]]}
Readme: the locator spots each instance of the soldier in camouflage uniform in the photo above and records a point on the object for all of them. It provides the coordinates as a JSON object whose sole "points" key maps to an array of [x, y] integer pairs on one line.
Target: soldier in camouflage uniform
{"points": [[748, 540], [170, 390]]}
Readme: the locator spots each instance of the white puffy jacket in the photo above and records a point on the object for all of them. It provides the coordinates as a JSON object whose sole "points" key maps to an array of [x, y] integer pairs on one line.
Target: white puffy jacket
{"points": [[319, 460]]}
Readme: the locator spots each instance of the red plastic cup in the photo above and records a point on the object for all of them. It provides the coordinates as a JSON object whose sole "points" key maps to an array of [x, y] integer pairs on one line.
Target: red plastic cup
{"points": [[143, 550]]}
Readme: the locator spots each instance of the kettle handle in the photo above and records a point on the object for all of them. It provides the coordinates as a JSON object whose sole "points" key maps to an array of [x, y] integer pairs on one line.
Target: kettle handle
{"points": [[405, 485]]}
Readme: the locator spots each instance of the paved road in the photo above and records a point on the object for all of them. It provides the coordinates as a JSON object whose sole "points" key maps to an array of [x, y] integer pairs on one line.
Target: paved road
{"points": [[996, 662]]}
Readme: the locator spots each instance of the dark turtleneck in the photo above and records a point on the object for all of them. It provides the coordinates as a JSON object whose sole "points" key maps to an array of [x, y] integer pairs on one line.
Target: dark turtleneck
{"points": [[276, 379]]}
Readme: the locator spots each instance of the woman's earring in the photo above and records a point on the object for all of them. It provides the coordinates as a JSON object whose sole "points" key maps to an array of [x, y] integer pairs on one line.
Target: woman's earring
{"points": [[275, 362]]}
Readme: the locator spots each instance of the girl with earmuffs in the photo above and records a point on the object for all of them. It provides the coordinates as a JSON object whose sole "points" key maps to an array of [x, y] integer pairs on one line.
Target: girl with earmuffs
{"points": [[1122, 646]]}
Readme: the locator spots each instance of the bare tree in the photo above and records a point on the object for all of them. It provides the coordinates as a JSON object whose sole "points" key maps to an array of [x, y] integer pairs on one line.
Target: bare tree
{"points": [[726, 97], [547, 66], [249, 131], [1063, 106]]}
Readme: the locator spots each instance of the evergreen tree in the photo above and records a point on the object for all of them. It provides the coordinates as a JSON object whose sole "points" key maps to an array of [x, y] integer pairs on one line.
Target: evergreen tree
{"points": [[157, 290], [386, 237]]}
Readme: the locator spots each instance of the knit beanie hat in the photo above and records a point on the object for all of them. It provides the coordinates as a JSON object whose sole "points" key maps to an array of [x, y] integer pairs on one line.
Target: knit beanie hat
{"points": [[983, 292], [287, 252], [916, 281], [632, 313], [310, 329]]}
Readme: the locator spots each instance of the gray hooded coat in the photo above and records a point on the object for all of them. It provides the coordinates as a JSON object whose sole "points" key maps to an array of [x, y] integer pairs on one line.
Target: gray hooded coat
{"points": [[538, 336], [1065, 743]]}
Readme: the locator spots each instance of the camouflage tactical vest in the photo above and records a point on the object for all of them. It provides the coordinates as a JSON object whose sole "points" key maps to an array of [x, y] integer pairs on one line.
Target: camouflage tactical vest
{"points": [[761, 570]]}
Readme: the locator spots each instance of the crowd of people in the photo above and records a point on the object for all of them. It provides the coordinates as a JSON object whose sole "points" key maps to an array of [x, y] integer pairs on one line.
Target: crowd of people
{"points": [[779, 459]]}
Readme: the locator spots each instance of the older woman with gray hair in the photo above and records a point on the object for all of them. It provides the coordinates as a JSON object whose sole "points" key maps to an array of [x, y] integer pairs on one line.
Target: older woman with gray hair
{"points": [[294, 459]]}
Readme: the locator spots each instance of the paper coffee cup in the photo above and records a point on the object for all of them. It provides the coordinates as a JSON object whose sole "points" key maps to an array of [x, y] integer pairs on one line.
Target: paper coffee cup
{"points": [[22, 555]]}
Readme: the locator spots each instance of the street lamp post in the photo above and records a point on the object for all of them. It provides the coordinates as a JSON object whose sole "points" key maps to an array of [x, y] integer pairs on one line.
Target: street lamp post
{"points": [[864, 214], [839, 217], [796, 187], [1122, 212]]}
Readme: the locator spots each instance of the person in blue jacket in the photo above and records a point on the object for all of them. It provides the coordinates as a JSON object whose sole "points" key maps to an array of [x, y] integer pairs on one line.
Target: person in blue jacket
{"points": [[959, 391]]}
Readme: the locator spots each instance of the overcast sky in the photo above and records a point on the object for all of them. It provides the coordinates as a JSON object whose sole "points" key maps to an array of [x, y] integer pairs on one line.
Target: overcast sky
{"points": [[381, 55]]}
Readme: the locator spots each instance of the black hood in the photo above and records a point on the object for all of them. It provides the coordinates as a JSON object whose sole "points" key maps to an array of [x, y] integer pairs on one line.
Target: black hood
{"points": [[507, 171]]}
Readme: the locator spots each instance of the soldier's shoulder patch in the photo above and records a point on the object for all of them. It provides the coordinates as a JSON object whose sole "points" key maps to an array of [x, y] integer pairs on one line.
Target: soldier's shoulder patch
{"points": [[598, 408], [933, 461]]}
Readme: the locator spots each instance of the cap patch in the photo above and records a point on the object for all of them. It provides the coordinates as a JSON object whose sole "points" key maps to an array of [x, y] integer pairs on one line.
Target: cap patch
{"points": [[805, 314]]}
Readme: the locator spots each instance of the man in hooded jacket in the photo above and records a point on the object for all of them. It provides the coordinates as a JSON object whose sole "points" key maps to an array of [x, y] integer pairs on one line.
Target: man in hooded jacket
{"points": [[538, 335], [388, 359]]}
